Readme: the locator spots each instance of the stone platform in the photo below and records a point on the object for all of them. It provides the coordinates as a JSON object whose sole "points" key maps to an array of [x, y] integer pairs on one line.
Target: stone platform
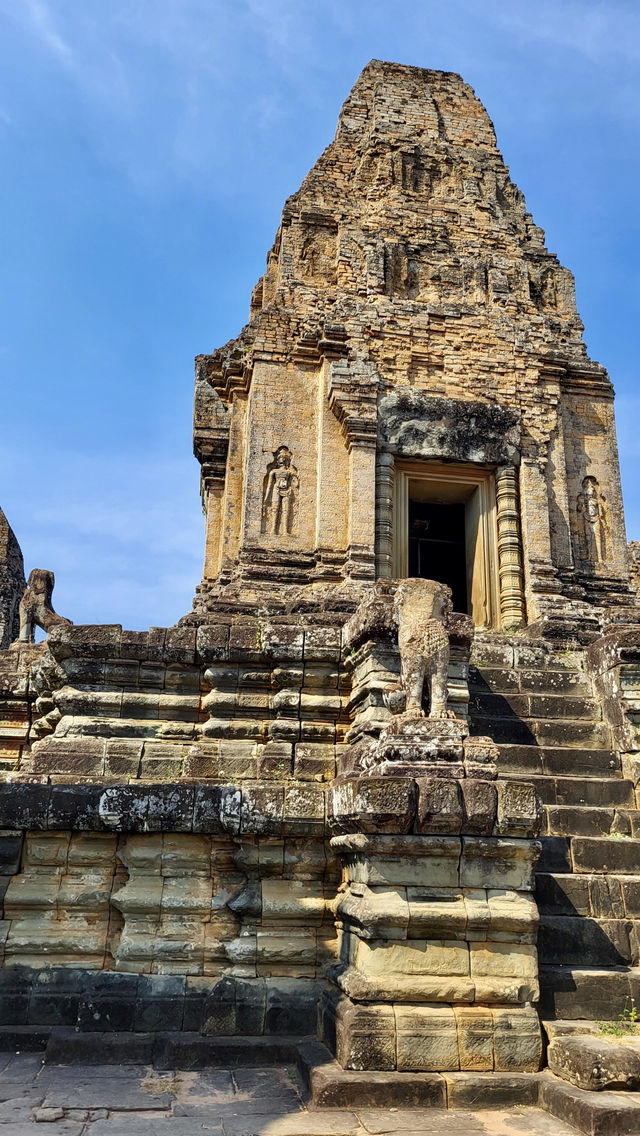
{"points": [[118, 1085]]}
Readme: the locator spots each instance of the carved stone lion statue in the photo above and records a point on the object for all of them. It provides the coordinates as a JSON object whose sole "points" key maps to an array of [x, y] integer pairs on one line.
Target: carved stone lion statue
{"points": [[420, 609], [35, 606]]}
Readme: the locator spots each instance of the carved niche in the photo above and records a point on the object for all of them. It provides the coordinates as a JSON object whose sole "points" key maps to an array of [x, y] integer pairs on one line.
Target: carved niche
{"points": [[280, 487], [593, 527]]}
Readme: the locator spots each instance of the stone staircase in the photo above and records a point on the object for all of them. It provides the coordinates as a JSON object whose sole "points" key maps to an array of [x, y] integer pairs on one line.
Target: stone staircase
{"points": [[538, 704]]}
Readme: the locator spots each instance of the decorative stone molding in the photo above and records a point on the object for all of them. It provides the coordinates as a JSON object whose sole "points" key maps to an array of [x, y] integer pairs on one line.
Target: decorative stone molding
{"points": [[353, 396]]}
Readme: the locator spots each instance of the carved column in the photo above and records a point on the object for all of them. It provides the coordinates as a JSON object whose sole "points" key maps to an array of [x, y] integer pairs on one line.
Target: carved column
{"points": [[509, 547], [384, 515]]}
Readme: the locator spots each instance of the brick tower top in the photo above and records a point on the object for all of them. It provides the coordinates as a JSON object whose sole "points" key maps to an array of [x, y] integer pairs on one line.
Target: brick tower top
{"points": [[411, 327]]}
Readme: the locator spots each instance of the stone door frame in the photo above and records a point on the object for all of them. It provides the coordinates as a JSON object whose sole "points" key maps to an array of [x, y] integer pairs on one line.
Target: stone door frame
{"points": [[490, 492]]}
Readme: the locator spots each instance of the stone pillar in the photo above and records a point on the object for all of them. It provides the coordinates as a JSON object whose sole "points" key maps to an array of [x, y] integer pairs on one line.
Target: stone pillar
{"points": [[509, 547], [435, 914], [438, 965], [353, 399], [384, 515]]}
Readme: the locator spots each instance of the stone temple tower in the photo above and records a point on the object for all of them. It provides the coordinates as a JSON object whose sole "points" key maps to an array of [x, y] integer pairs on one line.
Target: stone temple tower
{"points": [[370, 788], [412, 394]]}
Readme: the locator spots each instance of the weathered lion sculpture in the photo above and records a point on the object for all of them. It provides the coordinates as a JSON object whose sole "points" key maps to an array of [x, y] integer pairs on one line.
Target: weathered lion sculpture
{"points": [[35, 606], [420, 609]]}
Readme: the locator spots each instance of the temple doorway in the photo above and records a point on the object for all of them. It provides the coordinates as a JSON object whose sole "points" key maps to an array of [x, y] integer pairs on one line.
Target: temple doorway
{"points": [[445, 529], [437, 547]]}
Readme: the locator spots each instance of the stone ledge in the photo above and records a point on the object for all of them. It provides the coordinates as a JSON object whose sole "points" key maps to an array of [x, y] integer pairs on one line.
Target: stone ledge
{"points": [[271, 808], [331, 1086], [596, 1114], [91, 1002], [596, 1062], [168, 1050]]}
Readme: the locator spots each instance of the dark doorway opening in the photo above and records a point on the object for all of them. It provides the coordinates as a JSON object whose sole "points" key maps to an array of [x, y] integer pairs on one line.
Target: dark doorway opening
{"points": [[437, 547]]}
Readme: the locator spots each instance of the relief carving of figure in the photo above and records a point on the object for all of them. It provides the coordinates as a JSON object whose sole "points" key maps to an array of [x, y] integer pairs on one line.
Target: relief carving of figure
{"points": [[592, 521], [35, 606], [420, 609], [280, 494]]}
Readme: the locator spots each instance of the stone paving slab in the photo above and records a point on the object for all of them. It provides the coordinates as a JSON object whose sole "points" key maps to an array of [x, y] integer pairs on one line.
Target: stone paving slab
{"points": [[135, 1100], [503, 1122], [61, 1128]]}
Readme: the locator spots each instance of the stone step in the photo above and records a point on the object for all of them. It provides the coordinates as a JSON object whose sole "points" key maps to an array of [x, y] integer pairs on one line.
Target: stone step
{"points": [[330, 1086], [543, 731], [486, 651], [595, 1113], [602, 792], [560, 760], [577, 940], [501, 681], [551, 707], [590, 855], [589, 820], [599, 993], [596, 896]]}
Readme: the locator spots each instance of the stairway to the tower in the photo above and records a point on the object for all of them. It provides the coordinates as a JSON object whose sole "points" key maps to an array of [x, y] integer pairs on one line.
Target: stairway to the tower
{"points": [[538, 704]]}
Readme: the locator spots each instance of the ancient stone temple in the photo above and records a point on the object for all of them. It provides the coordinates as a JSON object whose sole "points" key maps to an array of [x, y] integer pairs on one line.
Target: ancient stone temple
{"points": [[372, 789]]}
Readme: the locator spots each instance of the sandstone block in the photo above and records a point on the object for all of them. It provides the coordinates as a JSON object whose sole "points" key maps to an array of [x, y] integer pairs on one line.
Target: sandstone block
{"points": [[503, 960], [292, 901], [517, 1040], [374, 914], [480, 804], [365, 1036], [304, 810], [498, 862], [474, 1025], [314, 762], [596, 1063], [436, 913], [432, 957], [439, 805], [385, 804], [426, 1038], [519, 809], [262, 810]]}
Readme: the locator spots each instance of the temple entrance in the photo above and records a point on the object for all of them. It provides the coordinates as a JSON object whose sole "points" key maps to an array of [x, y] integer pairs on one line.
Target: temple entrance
{"points": [[445, 530], [437, 547]]}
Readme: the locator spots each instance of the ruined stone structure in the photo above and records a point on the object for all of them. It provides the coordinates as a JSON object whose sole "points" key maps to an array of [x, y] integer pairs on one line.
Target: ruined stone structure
{"points": [[372, 787], [12, 583]]}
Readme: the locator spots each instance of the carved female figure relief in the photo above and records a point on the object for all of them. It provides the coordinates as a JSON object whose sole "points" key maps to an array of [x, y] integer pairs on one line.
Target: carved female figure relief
{"points": [[280, 495], [592, 521]]}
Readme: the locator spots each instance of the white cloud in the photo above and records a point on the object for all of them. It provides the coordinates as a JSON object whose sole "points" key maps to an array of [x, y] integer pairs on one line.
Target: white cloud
{"points": [[40, 17], [596, 29]]}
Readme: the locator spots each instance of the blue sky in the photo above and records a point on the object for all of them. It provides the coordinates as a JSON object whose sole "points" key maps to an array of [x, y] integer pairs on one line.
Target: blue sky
{"points": [[147, 148]]}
